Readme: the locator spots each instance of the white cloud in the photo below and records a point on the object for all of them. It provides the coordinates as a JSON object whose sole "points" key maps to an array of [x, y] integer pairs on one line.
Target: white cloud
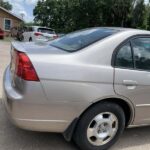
{"points": [[31, 2], [17, 8], [23, 13], [28, 18]]}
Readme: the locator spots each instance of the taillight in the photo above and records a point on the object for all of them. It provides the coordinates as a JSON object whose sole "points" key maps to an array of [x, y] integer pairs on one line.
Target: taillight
{"points": [[38, 34], [24, 68], [55, 36]]}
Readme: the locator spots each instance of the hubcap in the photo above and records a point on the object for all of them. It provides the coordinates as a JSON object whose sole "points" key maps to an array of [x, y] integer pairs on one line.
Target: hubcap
{"points": [[102, 128]]}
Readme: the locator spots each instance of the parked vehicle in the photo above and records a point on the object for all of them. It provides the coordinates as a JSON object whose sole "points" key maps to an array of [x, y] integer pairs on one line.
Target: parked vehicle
{"points": [[1, 34], [35, 33], [88, 85]]}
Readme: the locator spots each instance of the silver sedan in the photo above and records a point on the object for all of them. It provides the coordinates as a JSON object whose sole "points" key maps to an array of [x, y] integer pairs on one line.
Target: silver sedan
{"points": [[88, 85]]}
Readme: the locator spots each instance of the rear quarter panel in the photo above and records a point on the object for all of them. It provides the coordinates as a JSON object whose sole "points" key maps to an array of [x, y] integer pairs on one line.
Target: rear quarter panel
{"points": [[73, 81]]}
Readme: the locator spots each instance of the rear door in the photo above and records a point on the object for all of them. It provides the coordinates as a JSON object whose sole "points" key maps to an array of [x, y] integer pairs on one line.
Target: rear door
{"points": [[132, 76]]}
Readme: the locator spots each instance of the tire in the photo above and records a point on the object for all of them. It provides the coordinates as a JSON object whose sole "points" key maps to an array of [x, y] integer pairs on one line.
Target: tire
{"points": [[30, 39], [97, 119], [2, 37], [22, 38]]}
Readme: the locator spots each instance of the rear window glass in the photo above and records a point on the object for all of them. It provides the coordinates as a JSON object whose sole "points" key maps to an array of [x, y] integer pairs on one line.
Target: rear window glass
{"points": [[80, 39], [46, 30]]}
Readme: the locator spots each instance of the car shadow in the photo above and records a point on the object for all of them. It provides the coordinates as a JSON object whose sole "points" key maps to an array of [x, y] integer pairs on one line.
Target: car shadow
{"points": [[134, 139], [14, 138]]}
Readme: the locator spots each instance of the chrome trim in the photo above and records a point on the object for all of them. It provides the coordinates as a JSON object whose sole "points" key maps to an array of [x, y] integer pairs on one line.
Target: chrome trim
{"points": [[143, 105], [36, 120], [137, 126]]}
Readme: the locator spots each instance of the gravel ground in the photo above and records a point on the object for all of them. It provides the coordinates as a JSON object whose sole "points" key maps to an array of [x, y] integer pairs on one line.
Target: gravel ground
{"points": [[12, 138]]}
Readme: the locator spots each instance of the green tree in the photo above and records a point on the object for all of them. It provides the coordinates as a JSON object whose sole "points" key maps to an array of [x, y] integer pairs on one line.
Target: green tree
{"points": [[70, 15], [5, 5], [139, 14]]}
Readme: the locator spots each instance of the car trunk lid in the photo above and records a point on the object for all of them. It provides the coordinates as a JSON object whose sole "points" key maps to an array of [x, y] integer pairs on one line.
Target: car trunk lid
{"points": [[21, 65], [39, 47]]}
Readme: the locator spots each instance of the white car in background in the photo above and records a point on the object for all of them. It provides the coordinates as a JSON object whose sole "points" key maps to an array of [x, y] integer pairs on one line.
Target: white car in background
{"points": [[36, 33]]}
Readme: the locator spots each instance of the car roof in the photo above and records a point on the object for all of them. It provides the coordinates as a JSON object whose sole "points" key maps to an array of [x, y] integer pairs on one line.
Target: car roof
{"points": [[122, 29], [127, 29]]}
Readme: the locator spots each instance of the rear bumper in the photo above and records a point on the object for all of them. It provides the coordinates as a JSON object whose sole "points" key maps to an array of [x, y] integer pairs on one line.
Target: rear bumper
{"points": [[30, 110]]}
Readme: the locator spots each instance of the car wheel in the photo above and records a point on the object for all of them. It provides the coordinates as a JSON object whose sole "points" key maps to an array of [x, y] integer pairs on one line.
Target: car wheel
{"points": [[30, 39], [100, 126], [22, 38]]}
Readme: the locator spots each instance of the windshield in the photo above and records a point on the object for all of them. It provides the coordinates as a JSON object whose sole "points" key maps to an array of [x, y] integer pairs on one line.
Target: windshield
{"points": [[80, 39], [46, 30]]}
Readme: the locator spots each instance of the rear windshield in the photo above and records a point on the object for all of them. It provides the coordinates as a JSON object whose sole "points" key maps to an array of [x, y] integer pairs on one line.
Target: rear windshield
{"points": [[46, 30], [83, 38]]}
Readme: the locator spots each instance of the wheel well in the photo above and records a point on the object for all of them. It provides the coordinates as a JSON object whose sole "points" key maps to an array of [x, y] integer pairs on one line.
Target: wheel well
{"points": [[123, 104]]}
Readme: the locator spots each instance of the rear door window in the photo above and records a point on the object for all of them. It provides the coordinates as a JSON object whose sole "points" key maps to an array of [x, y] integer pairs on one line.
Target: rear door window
{"points": [[124, 58], [141, 49]]}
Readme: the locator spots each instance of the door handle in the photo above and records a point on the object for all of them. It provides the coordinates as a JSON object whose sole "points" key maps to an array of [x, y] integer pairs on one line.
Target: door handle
{"points": [[130, 83]]}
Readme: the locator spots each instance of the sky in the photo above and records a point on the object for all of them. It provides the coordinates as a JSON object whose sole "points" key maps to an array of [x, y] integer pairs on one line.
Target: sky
{"points": [[23, 7]]}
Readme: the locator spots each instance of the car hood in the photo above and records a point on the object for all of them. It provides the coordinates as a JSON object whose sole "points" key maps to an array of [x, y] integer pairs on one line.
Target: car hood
{"points": [[37, 48]]}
